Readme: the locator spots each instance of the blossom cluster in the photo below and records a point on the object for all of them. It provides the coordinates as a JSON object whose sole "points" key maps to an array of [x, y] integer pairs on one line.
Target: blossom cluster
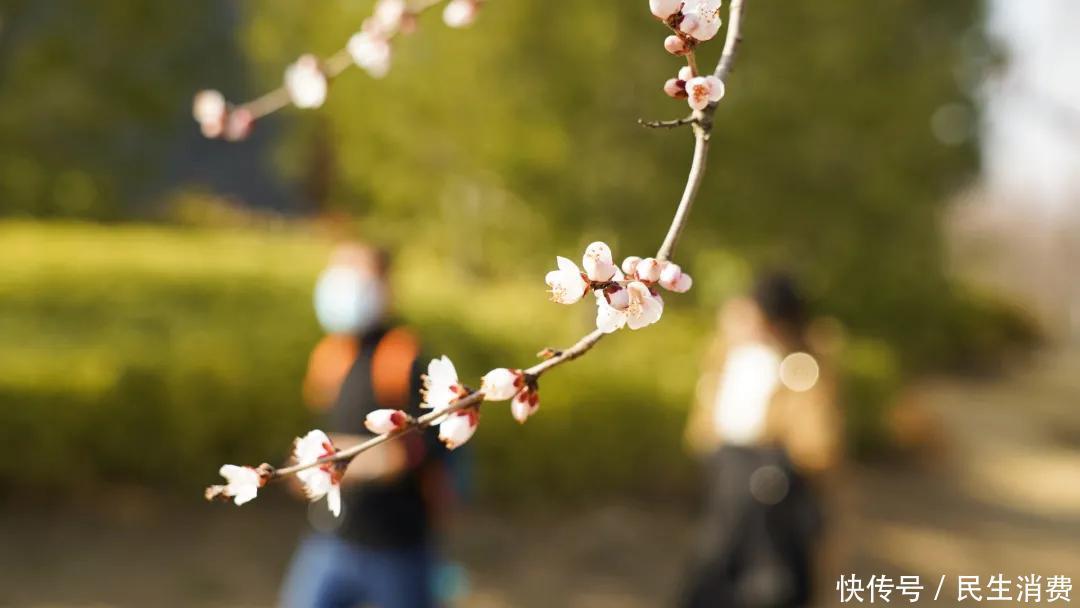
{"points": [[691, 22], [626, 296], [320, 475], [307, 80]]}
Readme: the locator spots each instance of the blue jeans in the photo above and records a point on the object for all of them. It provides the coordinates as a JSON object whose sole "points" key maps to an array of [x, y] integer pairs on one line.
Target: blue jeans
{"points": [[328, 572]]}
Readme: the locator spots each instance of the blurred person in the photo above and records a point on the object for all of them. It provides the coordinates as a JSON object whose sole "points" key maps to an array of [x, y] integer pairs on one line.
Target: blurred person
{"points": [[379, 552], [767, 429]]}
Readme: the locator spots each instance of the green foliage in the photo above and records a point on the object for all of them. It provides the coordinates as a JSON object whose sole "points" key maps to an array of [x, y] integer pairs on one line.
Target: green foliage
{"points": [[93, 93], [155, 355]]}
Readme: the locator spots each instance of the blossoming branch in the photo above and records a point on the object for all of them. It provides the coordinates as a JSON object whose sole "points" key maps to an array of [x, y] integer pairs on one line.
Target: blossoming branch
{"points": [[307, 81], [627, 295]]}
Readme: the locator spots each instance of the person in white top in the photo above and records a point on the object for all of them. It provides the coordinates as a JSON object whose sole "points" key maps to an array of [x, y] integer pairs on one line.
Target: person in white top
{"points": [[767, 429]]}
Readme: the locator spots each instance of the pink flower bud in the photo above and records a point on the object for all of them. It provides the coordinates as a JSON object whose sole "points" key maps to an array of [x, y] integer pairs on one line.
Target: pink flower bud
{"points": [[457, 428], [501, 384], [670, 274], [524, 405], [386, 421], [597, 262], [685, 73], [649, 270], [370, 52], [238, 125], [663, 9], [629, 265], [676, 45], [675, 88], [618, 297], [682, 284]]}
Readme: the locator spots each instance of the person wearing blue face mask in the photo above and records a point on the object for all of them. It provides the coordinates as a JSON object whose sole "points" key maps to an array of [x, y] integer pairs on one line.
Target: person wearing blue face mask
{"points": [[379, 551]]}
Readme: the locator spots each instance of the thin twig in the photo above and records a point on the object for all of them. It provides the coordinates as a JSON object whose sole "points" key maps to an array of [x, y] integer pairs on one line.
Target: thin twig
{"points": [[701, 122], [667, 124], [471, 400], [702, 132]]}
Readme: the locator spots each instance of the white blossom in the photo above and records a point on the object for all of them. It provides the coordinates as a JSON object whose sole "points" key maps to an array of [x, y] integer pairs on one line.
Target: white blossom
{"points": [[322, 480], [458, 427], [664, 9], [629, 265], [701, 19], [388, 16], [524, 405], [370, 52], [567, 284], [460, 13], [386, 421], [306, 83], [441, 386], [649, 269], [703, 90], [501, 384], [597, 262], [210, 111], [674, 279], [644, 308], [685, 74], [242, 483]]}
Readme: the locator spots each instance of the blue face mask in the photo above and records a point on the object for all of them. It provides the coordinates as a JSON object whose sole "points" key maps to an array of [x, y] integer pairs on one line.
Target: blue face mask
{"points": [[348, 301]]}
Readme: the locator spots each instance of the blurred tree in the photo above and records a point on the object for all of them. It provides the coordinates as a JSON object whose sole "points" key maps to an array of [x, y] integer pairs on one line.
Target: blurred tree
{"points": [[93, 95]]}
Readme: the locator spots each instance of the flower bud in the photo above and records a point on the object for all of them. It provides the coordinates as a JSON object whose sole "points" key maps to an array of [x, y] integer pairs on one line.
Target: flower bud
{"points": [[524, 405], [386, 421], [597, 262], [457, 428], [370, 52], [629, 265], [676, 45], [501, 384], [649, 270], [685, 73], [683, 284], [210, 111], [670, 274], [306, 83], [675, 88], [663, 9], [618, 297]]}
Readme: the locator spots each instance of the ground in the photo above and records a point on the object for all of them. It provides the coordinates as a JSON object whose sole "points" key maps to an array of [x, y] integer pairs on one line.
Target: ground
{"points": [[992, 488]]}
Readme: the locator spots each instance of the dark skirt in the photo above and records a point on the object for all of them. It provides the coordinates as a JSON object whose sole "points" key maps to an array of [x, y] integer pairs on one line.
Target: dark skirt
{"points": [[760, 525]]}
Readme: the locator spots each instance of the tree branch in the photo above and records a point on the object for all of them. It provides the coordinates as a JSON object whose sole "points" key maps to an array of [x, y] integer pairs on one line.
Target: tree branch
{"points": [[701, 122], [702, 125], [333, 66]]}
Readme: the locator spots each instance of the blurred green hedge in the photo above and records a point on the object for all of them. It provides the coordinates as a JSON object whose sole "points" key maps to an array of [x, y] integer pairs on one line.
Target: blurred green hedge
{"points": [[153, 355]]}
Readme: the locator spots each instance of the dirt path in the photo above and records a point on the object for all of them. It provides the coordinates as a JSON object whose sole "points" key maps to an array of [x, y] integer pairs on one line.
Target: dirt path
{"points": [[1001, 495]]}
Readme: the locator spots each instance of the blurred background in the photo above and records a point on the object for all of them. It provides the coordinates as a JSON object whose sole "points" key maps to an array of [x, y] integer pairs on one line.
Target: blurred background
{"points": [[915, 164]]}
